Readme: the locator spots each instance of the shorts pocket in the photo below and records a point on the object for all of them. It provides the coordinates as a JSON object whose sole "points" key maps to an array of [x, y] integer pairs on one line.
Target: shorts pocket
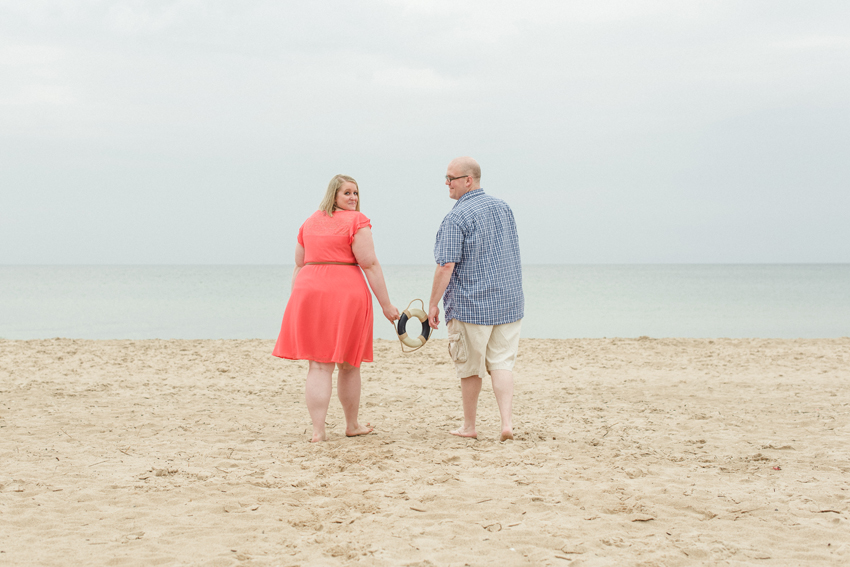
{"points": [[457, 347]]}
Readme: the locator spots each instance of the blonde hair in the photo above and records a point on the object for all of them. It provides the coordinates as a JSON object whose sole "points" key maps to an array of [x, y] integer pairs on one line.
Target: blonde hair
{"points": [[328, 204]]}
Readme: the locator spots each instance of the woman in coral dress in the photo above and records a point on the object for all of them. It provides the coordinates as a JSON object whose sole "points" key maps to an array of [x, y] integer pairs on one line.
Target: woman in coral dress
{"points": [[328, 318]]}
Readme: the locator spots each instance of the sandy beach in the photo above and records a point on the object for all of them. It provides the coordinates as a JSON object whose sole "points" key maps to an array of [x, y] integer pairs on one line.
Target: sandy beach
{"points": [[628, 452]]}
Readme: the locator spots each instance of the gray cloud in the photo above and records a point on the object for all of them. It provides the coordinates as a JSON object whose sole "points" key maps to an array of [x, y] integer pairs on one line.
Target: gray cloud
{"points": [[205, 132]]}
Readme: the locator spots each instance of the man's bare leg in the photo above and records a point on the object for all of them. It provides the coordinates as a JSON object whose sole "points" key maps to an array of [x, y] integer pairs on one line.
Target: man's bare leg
{"points": [[503, 388], [348, 390], [317, 392], [470, 387]]}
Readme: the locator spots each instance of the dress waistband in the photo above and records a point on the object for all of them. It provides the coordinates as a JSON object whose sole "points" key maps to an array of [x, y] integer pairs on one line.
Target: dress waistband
{"points": [[331, 263]]}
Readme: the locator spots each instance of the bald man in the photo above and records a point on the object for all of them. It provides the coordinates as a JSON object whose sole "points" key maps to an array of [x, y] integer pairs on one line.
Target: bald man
{"points": [[479, 278]]}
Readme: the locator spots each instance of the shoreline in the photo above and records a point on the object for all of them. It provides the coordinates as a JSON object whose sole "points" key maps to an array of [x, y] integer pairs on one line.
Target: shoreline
{"points": [[657, 451]]}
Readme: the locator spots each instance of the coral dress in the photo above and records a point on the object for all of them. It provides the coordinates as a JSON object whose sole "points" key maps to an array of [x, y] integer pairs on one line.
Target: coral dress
{"points": [[329, 314]]}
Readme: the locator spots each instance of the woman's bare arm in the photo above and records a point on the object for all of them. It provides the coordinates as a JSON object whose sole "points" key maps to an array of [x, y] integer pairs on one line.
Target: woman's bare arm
{"points": [[364, 251], [299, 261]]}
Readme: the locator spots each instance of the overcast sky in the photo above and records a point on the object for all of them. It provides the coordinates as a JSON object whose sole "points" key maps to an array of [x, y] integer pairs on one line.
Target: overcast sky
{"points": [[205, 132]]}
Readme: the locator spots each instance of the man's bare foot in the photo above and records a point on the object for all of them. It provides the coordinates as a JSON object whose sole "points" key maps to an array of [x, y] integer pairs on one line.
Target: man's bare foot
{"points": [[463, 432], [359, 430], [506, 434], [318, 438]]}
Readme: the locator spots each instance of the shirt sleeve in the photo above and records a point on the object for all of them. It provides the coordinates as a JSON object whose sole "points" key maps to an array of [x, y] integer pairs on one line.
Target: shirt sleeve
{"points": [[449, 245], [301, 235], [359, 221]]}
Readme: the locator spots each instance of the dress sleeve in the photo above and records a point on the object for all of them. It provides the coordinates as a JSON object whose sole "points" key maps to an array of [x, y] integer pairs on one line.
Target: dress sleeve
{"points": [[359, 221], [301, 235]]}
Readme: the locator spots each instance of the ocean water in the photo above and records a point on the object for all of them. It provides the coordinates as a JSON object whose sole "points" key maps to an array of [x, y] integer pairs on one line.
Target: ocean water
{"points": [[562, 301]]}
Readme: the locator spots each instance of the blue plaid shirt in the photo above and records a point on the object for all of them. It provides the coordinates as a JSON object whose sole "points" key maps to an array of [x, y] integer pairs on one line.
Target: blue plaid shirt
{"points": [[479, 235]]}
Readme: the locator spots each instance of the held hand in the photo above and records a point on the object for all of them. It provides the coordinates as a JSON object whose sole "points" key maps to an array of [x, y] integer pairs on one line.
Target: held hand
{"points": [[434, 317], [391, 313]]}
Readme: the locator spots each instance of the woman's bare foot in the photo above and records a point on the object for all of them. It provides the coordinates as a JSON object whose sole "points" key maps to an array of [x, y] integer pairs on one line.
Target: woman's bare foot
{"points": [[359, 430], [463, 432], [506, 434], [318, 437]]}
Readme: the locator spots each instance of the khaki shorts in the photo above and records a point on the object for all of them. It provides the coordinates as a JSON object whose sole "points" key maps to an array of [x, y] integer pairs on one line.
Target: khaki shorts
{"points": [[476, 349]]}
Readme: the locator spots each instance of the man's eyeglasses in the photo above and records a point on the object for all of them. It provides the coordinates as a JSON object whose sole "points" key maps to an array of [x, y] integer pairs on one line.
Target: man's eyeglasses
{"points": [[450, 179]]}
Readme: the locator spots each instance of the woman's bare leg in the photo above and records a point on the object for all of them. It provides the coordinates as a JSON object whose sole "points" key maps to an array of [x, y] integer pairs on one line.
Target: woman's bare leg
{"points": [[317, 392], [348, 390]]}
